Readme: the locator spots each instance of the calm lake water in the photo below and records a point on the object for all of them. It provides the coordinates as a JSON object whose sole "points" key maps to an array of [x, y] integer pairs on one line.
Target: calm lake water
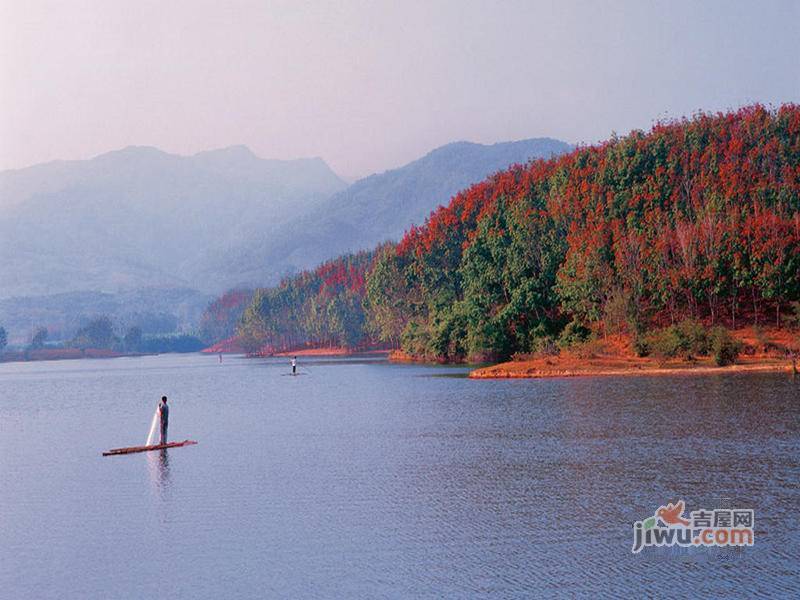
{"points": [[362, 479]]}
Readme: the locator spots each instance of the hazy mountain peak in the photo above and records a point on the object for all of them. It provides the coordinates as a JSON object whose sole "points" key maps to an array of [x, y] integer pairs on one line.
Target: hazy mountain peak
{"points": [[132, 152], [139, 216], [378, 208], [236, 152], [533, 148]]}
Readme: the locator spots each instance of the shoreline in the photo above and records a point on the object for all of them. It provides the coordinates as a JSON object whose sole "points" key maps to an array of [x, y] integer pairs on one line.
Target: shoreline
{"points": [[70, 354], [548, 368], [327, 352], [761, 351], [233, 345]]}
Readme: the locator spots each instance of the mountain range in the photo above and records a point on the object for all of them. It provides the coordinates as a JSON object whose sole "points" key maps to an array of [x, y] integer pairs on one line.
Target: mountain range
{"points": [[374, 209], [140, 218]]}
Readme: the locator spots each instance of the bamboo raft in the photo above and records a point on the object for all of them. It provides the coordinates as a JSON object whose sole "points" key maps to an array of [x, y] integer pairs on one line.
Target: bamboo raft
{"points": [[133, 449]]}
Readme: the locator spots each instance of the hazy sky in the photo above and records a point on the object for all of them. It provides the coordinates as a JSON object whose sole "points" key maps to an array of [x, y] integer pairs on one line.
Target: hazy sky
{"points": [[371, 85]]}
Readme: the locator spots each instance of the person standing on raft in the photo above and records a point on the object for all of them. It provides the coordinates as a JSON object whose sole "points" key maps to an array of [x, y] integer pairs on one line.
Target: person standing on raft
{"points": [[163, 414], [294, 366]]}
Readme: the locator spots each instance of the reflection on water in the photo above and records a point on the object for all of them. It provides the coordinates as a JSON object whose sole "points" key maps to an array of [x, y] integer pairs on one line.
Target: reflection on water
{"points": [[158, 467], [366, 479]]}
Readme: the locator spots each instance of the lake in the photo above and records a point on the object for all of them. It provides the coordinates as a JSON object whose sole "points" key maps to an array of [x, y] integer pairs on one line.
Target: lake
{"points": [[365, 479]]}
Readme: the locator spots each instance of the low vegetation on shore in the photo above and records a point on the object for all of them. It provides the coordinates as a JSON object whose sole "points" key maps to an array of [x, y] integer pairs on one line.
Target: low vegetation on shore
{"points": [[97, 339], [686, 348]]}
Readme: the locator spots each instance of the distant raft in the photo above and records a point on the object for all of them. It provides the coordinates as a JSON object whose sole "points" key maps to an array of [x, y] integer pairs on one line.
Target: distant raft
{"points": [[134, 449]]}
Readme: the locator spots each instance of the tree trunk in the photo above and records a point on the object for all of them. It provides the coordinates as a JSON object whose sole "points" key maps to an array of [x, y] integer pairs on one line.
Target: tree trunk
{"points": [[755, 305], [712, 304]]}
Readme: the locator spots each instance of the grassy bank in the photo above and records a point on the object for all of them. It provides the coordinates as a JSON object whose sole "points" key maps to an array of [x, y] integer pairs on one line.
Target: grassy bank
{"points": [[761, 350]]}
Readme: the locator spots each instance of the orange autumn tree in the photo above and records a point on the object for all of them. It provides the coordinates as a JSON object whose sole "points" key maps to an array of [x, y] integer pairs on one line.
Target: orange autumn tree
{"points": [[696, 218]]}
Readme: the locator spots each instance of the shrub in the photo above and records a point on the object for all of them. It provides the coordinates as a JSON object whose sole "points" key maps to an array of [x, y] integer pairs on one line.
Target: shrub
{"points": [[665, 343], [793, 320], [541, 341], [574, 333], [723, 346], [641, 346], [587, 349], [688, 338], [694, 338], [540, 345], [761, 338], [546, 346]]}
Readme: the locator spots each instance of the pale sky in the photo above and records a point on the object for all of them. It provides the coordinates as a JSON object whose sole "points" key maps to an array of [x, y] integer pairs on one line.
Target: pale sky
{"points": [[371, 85]]}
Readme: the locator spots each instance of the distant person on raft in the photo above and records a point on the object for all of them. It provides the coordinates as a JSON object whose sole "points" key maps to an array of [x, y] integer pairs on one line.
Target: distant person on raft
{"points": [[163, 413], [294, 366]]}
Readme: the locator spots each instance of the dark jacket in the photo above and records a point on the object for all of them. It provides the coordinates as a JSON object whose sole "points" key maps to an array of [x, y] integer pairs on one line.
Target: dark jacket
{"points": [[163, 410]]}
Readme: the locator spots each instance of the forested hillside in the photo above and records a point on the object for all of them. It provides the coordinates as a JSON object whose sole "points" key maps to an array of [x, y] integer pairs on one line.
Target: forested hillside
{"points": [[698, 218], [221, 317], [323, 307]]}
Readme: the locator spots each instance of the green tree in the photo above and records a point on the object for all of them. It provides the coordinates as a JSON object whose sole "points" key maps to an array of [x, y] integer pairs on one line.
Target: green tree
{"points": [[346, 319], [98, 333], [508, 274], [252, 330], [39, 338], [133, 339], [387, 305], [3, 338]]}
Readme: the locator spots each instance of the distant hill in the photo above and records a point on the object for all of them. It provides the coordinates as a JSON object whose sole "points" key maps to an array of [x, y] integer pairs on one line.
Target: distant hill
{"points": [[140, 217], [374, 209], [155, 311]]}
